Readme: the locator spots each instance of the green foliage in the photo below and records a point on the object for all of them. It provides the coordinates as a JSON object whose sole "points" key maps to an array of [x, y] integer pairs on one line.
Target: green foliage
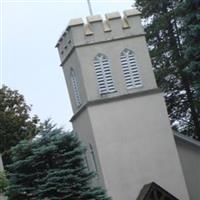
{"points": [[167, 44], [16, 122], [3, 182], [189, 12], [52, 166]]}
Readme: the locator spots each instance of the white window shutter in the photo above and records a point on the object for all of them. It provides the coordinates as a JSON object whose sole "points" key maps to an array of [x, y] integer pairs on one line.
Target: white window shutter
{"points": [[75, 88], [130, 69], [104, 75]]}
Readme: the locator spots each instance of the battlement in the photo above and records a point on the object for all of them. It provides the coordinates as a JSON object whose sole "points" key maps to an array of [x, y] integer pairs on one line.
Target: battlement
{"points": [[97, 30]]}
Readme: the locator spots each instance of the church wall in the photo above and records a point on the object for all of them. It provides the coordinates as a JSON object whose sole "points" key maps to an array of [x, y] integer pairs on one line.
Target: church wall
{"points": [[136, 146], [1, 163], [1, 169], [190, 160], [73, 63], [112, 50], [83, 129], [2, 197], [128, 129]]}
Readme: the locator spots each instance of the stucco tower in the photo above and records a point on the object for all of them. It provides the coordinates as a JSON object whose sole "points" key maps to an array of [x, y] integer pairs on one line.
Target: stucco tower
{"points": [[119, 112]]}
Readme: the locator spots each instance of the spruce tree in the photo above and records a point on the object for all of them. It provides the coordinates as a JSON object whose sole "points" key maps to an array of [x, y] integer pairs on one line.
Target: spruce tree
{"points": [[21, 173], [52, 167]]}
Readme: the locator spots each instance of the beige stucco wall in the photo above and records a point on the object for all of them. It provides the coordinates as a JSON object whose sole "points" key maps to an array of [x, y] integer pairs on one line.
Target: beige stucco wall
{"points": [[74, 63], [2, 197], [189, 154], [1, 169], [81, 61], [1, 163], [113, 50], [79, 54], [136, 146], [97, 30], [131, 135], [82, 127]]}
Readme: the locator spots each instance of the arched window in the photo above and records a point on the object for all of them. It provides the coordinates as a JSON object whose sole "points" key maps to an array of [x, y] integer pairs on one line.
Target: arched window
{"points": [[75, 87], [103, 73], [130, 69]]}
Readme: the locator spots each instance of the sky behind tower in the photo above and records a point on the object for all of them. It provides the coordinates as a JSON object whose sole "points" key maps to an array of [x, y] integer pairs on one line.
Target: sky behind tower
{"points": [[29, 60]]}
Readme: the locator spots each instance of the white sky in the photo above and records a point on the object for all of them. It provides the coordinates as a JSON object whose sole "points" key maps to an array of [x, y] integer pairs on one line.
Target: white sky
{"points": [[29, 61]]}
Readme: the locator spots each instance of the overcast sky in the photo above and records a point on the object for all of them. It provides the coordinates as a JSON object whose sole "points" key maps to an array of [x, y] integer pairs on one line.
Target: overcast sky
{"points": [[29, 60]]}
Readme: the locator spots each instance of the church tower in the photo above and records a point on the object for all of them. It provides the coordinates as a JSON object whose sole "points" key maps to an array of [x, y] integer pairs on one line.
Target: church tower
{"points": [[119, 113]]}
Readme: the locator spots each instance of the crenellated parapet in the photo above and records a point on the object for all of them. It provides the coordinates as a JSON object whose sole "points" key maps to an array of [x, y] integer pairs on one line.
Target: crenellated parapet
{"points": [[97, 30]]}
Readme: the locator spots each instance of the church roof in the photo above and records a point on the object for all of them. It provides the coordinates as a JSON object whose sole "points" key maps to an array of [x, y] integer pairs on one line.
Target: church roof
{"points": [[153, 191], [186, 139]]}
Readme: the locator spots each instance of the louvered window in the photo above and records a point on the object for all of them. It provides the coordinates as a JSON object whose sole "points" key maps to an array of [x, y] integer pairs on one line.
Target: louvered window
{"points": [[130, 69], [75, 87], [104, 75]]}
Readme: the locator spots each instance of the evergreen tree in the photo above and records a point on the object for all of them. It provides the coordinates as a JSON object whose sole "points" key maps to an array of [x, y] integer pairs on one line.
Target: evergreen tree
{"points": [[189, 12], [165, 40], [21, 173], [52, 167]]}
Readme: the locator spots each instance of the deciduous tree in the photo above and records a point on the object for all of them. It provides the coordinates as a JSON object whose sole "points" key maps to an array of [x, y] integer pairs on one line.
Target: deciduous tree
{"points": [[16, 123]]}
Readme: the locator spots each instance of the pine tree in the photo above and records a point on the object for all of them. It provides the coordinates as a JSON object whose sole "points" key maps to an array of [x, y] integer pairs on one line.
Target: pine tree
{"points": [[52, 167], [189, 12], [165, 40]]}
